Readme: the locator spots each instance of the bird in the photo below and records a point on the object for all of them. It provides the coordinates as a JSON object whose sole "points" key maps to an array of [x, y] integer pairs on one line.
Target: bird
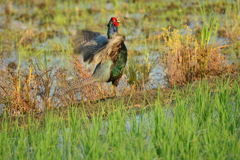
{"points": [[108, 52]]}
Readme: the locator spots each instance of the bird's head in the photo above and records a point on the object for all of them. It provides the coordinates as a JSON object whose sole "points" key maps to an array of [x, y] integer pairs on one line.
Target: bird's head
{"points": [[113, 26], [114, 21]]}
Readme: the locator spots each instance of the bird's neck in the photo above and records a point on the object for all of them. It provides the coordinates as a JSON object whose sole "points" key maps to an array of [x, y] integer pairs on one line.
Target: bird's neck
{"points": [[111, 30]]}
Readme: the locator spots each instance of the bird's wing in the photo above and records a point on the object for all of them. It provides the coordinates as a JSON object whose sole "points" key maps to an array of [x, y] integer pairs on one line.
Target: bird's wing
{"points": [[111, 50], [88, 44]]}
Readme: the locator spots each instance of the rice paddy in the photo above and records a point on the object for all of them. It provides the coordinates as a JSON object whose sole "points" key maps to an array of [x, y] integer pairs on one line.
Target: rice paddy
{"points": [[179, 97]]}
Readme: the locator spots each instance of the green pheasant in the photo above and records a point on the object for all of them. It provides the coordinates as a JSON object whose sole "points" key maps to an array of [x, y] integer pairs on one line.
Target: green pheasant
{"points": [[108, 52]]}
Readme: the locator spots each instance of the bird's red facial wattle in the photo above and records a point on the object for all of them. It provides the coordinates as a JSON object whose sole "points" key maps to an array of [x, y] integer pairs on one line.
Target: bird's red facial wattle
{"points": [[115, 21]]}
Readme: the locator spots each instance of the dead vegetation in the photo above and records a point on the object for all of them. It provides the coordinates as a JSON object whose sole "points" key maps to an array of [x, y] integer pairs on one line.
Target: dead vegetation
{"points": [[26, 90], [186, 60], [35, 88]]}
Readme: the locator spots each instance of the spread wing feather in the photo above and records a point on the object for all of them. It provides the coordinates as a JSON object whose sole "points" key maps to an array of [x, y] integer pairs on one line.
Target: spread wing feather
{"points": [[96, 47], [88, 43]]}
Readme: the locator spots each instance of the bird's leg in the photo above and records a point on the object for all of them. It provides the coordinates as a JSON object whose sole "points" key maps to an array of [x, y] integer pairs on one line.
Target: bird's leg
{"points": [[115, 84]]}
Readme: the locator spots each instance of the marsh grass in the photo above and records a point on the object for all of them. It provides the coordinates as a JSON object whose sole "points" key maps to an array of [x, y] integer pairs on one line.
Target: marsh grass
{"points": [[230, 24], [35, 88], [26, 90], [203, 123], [42, 30], [209, 28], [187, 60], [138, 70]]}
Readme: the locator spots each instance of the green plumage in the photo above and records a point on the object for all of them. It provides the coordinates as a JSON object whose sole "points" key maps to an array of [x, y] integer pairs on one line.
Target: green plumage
{"points": [[118, 66]]}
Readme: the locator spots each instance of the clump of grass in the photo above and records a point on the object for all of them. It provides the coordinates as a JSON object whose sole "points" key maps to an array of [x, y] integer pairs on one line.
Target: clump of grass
{"points": [[209, 28], [140, 64], [138, 72], [26, 90], [33, 88], [27, 37], [187, 60]]}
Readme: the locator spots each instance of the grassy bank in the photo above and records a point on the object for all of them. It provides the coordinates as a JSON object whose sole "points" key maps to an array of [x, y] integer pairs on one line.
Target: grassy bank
{"points": [[201, 124]]}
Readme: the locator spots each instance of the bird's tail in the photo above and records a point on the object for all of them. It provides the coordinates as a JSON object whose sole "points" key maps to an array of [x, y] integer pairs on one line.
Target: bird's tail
{"points": [[79, 84]]}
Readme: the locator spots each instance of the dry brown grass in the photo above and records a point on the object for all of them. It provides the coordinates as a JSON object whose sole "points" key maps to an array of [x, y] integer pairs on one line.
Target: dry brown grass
{"points": [[187, 60], [25, 90], [33, 89]]}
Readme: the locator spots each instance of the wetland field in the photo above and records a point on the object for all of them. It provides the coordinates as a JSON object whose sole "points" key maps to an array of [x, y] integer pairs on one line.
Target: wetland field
{"points": [[178, 98]]}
